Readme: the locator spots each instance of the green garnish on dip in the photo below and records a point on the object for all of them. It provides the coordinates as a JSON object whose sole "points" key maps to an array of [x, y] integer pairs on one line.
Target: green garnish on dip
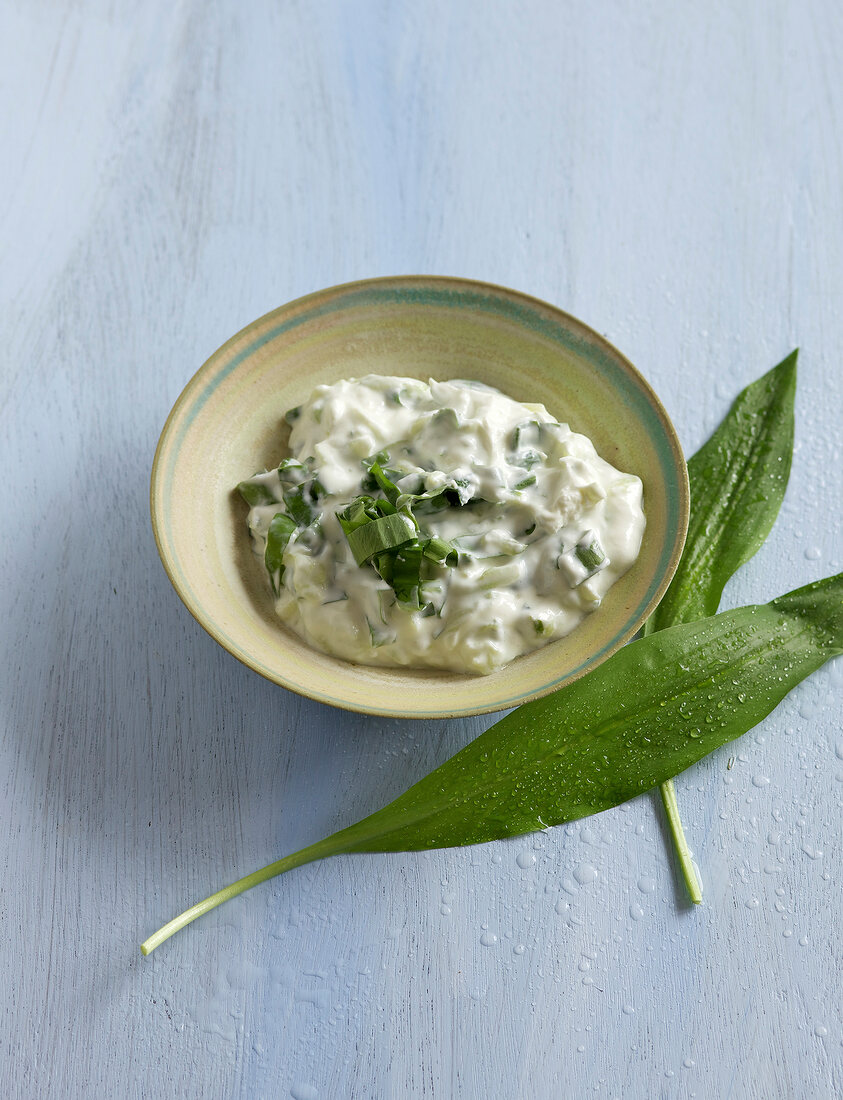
{"points": [[392, 543], [435, 524]]}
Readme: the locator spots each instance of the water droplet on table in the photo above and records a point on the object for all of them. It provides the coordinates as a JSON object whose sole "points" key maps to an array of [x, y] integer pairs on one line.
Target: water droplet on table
{"points": [[585, 873], [303, 1092]]}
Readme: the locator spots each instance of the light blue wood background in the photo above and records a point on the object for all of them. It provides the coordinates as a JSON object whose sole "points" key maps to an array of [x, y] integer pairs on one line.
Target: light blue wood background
{"points": [[671, 173]]}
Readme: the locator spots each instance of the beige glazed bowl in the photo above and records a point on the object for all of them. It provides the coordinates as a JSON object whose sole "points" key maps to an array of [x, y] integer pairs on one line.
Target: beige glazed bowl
{"points": [[228, 423]]}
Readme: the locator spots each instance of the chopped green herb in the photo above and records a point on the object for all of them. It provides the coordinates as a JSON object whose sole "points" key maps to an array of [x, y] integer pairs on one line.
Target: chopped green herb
{"points": [[378, 635], [583, 560], [527, 459], [292, 471], [535, 433], [280, 531], [256, 493], [406, 574], [439, 550], [360, 511], [524, 483], [463, 488], [590, 553], [385, 601], [426, 504], [298, 507], [385, 483], [383, 533], [446, 419], [525, 433]]}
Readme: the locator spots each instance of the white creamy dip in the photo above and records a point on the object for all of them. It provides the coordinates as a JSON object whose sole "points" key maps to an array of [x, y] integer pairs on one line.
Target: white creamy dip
{"points": [[542, 526]]}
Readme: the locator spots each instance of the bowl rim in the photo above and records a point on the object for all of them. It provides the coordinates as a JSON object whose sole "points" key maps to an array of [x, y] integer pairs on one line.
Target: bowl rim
{"points": [[295, 305]]}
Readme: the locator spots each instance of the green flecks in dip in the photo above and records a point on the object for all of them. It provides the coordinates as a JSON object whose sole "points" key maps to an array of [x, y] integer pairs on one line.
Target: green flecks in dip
{"points": [[436, 524]]}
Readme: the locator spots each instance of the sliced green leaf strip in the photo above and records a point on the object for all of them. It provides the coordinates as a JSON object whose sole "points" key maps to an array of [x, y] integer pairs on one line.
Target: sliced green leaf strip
{"points": [[382, 479], [525, 482], [280, 530], [384, 533], [256, 493], [406, 574], [440, 551], [590, 553], [298, 506], [291, 470]]}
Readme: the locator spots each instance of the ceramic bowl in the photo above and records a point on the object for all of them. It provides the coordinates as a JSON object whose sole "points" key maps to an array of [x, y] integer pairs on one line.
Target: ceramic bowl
{"points": [[228, 423]]}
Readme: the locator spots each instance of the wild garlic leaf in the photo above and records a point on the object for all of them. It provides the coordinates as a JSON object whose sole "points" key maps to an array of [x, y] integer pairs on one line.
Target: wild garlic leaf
{"points": [[654, 708], [738, 480]]}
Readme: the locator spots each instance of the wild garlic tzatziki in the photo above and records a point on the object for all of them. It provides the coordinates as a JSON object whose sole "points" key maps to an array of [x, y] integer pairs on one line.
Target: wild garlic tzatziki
{"points": [[438, 524]]}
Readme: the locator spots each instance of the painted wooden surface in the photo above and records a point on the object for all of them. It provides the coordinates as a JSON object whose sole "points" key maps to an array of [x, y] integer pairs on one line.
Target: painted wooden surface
{"points": [[671, 173]]}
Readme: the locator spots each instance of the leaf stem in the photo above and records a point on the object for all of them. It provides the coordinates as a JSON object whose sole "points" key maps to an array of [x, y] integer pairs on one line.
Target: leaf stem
{"points": [[297, 859], [683, 852]]}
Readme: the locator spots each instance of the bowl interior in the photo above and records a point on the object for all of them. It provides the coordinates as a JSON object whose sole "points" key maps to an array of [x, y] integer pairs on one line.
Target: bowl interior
{"points": [[228, 424]]}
